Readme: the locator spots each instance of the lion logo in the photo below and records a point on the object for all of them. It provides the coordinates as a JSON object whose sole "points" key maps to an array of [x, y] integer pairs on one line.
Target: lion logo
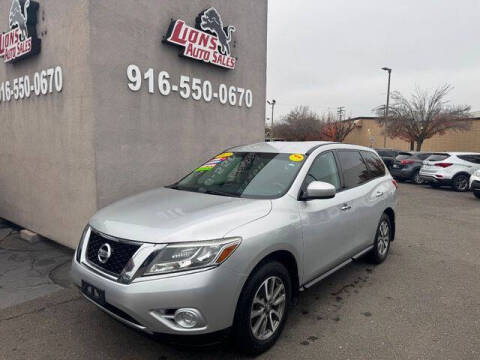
{"points": [[210, 20], [18, 17]]}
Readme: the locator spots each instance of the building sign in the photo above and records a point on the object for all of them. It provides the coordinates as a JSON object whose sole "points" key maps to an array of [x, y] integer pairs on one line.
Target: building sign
{"points": [[21, 40], [209, 41]]}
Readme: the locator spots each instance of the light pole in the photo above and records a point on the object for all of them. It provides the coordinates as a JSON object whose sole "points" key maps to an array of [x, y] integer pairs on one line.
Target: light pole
{"points": [[272, 104], [386, 107]]}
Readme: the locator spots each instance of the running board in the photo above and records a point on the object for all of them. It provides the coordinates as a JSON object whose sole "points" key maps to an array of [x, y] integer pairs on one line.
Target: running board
{"points": [[338, 267]]}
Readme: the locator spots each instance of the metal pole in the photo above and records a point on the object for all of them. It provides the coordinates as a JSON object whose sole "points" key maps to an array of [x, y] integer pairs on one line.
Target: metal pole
{"points": [[386, 108], [272, 103]]}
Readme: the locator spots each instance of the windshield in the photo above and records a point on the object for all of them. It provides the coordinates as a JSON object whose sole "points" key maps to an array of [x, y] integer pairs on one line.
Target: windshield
{"points": [[244, 174], [437, 157], [403, 156]]}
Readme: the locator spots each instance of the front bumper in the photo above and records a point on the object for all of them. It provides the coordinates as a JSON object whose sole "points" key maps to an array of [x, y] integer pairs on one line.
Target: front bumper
{"points": [[475, 184], [141, 303]]}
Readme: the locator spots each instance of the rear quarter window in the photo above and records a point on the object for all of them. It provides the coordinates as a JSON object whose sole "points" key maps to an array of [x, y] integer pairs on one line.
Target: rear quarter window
{"points": [[374, 163], [354, 169], [470, 158]]}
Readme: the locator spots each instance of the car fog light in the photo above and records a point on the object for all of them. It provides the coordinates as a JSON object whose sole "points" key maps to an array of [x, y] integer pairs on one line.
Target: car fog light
{"points": [[187, 318]]}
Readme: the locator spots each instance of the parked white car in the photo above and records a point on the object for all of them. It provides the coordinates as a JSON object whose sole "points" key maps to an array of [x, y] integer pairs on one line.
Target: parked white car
{"points": [[450, 169], [475, 183]]}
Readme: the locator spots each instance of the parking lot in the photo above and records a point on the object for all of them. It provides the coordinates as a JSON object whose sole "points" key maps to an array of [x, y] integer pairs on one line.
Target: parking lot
{"points": [[422, 303]]}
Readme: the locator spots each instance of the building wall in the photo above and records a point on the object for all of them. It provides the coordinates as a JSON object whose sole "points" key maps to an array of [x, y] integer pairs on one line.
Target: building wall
{"points": [[47, 163], [369, 133], [146, 140], [64, 155]]}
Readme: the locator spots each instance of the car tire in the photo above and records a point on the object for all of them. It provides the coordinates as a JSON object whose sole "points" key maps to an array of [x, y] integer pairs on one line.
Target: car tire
{"points": [[416, 179], [256, 327], [460, 182], [383, 238], [476, 193]]}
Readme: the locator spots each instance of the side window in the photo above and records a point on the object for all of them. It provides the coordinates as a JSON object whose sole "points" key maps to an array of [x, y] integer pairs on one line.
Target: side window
{"points": [[324, 168], [476, 159], [374, 164], [470, 158], [354, 170]]}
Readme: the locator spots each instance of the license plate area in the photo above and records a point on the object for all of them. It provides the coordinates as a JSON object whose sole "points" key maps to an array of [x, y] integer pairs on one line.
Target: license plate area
{"points": [[93, 293]]}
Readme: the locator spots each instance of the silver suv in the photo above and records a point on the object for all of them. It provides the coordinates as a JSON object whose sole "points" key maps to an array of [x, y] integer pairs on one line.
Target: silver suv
{"points": [[451, 169], [230, 245]]}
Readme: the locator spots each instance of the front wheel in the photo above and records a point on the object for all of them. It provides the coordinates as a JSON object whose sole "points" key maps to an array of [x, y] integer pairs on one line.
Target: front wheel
{"points": [[262, 308], [460, 183], [383, 238]]}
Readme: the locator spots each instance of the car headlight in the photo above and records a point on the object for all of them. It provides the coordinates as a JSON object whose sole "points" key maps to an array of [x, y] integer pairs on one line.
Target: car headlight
{"points": [[191, 255], [78, 254]]}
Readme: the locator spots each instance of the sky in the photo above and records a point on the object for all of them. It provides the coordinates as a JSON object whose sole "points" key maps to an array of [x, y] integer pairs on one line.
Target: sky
{"points": [[326, 54]]}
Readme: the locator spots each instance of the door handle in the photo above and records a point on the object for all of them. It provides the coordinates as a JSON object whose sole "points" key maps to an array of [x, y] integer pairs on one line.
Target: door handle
{"points": [[345, 207], [379, 193]]}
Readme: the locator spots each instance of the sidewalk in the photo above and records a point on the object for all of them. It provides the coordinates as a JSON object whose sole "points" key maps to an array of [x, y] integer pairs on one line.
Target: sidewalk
{"points": [[29, 271]]}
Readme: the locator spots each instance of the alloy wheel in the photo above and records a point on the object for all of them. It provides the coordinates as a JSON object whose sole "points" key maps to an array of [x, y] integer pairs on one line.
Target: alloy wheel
{"points": [[461, 183], [417, 179], [383, 239], [268, 308]]}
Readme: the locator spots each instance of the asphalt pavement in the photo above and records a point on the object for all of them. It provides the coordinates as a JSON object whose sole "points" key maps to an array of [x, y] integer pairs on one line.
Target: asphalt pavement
{"points": [[422, 303]]}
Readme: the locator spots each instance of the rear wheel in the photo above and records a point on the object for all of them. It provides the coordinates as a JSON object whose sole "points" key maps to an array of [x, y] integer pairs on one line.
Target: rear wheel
{"points": [[382, 240], [262, 308], [460, 183], [476, 193], [417, 179]]}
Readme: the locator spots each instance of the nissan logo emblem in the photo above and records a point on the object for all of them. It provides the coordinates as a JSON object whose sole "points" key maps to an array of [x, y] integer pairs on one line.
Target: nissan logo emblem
{"points": [[104, 253]]}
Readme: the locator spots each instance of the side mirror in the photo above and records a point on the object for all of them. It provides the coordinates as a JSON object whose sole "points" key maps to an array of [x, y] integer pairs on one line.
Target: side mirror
{"points": [[319, 190]]}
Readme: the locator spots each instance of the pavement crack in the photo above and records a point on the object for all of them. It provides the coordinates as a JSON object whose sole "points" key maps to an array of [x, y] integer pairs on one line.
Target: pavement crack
{"points": [[39, 310], [50, 273], [342, 289]]}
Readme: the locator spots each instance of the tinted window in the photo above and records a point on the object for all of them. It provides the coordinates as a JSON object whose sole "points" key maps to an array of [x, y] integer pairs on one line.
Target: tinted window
{"points": [[354, 170], [324, 168], [438, 157], [403, 156], [470, 158], [374, 164], [422, 156]]}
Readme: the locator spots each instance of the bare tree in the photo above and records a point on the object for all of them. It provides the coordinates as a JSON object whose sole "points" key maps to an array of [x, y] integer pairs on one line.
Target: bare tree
{"points": [[300, 124], [335, 129], [423, 116]]}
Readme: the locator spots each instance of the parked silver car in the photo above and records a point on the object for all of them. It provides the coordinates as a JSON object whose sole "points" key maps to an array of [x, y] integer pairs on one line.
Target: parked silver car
{"points": [[232, 243]]}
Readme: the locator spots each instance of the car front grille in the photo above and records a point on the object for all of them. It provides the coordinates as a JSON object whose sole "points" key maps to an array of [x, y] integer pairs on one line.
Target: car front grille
{"points": [[121, 253]]}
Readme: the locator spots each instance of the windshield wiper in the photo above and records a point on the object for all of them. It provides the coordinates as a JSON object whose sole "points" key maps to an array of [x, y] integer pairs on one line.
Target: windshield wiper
{"points": [[221, 193]]}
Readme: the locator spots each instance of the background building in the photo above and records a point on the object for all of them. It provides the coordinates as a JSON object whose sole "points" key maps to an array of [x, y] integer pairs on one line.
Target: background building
{"points": [[114, 110], [369, 133]]}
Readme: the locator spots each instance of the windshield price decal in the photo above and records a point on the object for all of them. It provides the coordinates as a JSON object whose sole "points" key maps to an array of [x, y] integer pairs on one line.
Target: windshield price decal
{"points": [[188, 87], [42, 82]]}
